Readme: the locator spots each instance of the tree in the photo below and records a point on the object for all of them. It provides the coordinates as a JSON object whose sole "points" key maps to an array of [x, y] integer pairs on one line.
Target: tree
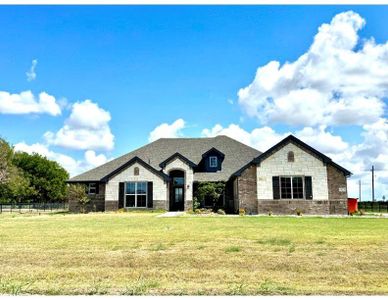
{"points": [[17, 188], [46, 177], [6, 153], [211, 191]]}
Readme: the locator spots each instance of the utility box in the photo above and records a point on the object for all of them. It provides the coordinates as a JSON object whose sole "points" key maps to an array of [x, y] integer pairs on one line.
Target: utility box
{"points": [[352, 205]]}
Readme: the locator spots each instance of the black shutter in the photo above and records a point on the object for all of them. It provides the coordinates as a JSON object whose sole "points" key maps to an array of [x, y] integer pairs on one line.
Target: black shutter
{"points": [[97, 187], [308, 187], [121, 194], [150, 196], [276, 187]]}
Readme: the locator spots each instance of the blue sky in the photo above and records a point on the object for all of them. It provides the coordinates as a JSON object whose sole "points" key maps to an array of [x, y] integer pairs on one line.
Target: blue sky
{"points": [[148, 65]]}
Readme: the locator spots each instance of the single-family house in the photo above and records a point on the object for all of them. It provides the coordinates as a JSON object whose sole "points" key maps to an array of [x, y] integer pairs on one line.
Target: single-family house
{"points": [[164, 174]]}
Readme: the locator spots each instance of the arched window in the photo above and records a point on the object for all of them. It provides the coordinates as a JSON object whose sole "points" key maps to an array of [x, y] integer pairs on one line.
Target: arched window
{"points": [[291, 156], [136, 171]]}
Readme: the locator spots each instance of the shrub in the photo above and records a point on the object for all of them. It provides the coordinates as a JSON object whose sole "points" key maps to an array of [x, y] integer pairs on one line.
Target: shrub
{"points": [[76, 192], [196, 203], [241, 211], [298, 212], [211, 191], [221, 212], [270, 212]]}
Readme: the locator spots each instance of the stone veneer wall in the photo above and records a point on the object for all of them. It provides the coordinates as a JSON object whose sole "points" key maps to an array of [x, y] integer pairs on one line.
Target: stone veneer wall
{"points": [[247, 190], [112, 187], [97, 201], [178, 164], [326, 183]]}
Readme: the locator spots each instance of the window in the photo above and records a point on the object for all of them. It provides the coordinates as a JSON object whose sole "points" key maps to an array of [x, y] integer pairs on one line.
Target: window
{"points": [[213, 161], [92, 188], [290, 156], [178, 180], [136, 194], [292, 187], [136, 171]]}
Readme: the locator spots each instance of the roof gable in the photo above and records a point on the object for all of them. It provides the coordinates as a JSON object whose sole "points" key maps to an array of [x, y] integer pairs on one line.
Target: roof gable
{"points": [[292, 139], [181, 157]]}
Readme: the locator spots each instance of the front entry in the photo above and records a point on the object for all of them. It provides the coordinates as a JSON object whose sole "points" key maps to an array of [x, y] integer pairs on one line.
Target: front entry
{"points": [[177, 190]]}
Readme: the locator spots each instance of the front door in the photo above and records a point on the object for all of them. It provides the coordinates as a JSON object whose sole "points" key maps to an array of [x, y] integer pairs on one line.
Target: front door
{"points": [[177, 191]]}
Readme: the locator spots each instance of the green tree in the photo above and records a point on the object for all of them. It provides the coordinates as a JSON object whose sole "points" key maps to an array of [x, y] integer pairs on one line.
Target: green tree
{"points": [[46, 177], [17, 188], [6, 153], [211, 191]]}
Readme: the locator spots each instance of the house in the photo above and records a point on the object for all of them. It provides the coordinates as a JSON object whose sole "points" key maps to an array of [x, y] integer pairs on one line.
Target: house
{"points": [[164, 174]]}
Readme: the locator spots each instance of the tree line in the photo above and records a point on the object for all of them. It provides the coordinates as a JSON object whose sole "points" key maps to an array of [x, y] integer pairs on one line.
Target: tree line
{"points": [[30, 177]]}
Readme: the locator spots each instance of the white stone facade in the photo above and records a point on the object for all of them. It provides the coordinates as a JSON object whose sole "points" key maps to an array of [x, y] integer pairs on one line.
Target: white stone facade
{"points": [[159, 185], [178, 164], [305, 164]]}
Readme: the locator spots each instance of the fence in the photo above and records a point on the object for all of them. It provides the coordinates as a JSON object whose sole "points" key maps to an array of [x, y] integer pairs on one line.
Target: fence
{"points": [[373, 206], [34, 207]]}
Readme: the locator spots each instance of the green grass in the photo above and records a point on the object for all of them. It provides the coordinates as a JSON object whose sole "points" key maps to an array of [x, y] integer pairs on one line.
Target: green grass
{"points": [[140, 254]]}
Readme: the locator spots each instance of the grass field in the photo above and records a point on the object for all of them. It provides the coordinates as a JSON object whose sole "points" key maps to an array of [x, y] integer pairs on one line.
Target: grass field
{"points": [[138, 253]]}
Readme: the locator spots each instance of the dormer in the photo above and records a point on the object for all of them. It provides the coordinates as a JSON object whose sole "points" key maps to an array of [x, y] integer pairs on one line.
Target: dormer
{"points": [[212, 160]]}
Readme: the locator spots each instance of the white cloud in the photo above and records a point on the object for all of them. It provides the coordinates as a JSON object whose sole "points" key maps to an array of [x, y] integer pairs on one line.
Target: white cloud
{"points": [[259, 138], [73, 166], [31, 74], [322, 140], [26, 103], [332, 83], [166, 130], [87, 128]]}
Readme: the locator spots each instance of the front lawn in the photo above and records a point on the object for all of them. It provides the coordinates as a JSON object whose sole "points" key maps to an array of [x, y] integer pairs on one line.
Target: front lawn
{"points": [[138, 253]]}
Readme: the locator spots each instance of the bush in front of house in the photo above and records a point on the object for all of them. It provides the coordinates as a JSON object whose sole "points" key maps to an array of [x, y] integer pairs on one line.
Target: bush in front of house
{"points": [[76, 192], [209, 194]]}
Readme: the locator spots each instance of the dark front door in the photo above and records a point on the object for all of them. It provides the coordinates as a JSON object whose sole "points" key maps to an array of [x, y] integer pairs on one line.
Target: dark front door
{"points": [[177, 191]]}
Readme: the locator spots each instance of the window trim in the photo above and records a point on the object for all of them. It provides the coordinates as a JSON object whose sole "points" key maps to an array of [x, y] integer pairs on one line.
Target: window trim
{"points": [[95, 188], [292, 189], [135, 194], [215, 160]]}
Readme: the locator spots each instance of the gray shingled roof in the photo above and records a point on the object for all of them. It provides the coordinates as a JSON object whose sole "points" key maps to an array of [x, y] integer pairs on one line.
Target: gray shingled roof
{"points": [[237, 155]]}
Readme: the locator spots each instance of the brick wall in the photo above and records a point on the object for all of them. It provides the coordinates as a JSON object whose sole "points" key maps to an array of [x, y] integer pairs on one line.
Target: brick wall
{"points": [[338, 195], [247, 190], [290, 207], [97, 202]]}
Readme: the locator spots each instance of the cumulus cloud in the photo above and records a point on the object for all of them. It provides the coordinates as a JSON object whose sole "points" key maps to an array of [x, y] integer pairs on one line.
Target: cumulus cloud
{"points": [[73, 166], [87, 128], [26, 103], [166, 130], [31, 74], [265, 137], [259, 138], [332, 83]]}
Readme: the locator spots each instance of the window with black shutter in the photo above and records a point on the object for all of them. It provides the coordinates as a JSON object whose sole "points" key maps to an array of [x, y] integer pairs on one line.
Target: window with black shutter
{"points": [[150, 198], [121, 194], [292, 187]]}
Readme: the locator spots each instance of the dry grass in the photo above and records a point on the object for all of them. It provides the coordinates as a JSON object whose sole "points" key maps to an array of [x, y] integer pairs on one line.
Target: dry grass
{"points": [[137, 253]]}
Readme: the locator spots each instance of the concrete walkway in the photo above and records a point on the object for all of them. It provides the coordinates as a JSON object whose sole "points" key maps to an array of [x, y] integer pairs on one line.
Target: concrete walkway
{"points": [[171, 214]]}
